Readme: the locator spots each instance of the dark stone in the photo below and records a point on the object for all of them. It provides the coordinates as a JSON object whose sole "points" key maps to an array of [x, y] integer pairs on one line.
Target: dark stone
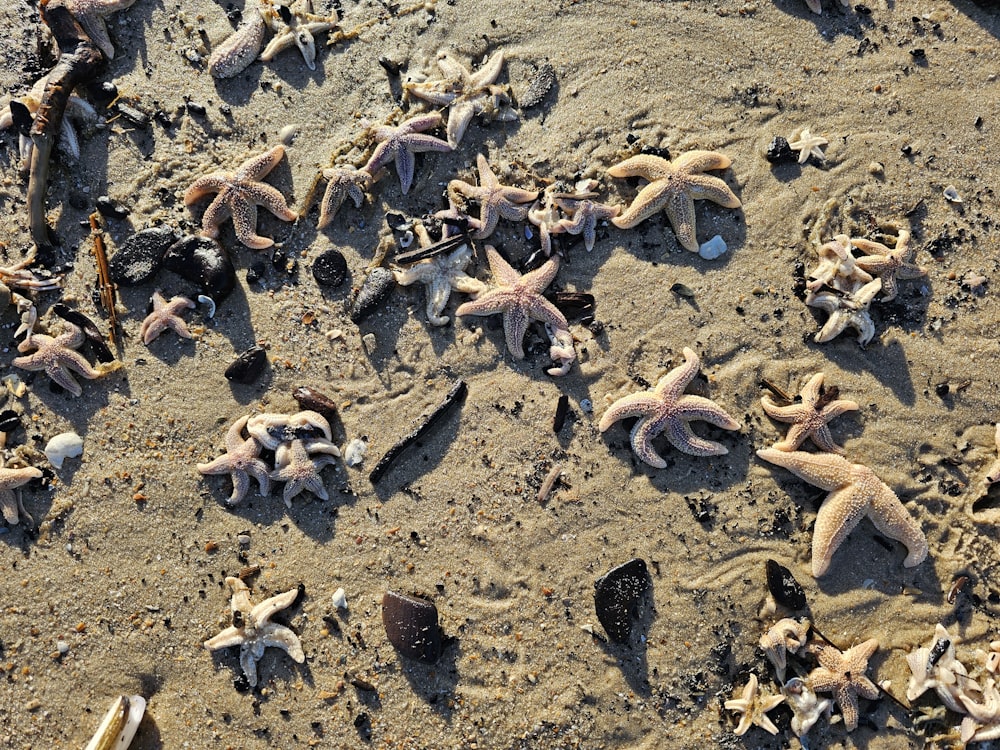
{"points": [[376, 288], [783, 587], [412, 626], [141, 256], [111, 209], [248, 366], [618, 598], [204, 262], [330, 268], [779, 152], [137, 117]]}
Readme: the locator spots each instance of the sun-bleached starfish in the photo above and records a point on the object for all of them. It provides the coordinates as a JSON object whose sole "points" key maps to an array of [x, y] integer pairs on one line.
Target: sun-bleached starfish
{"points": [[810, 417], [545, 214], [296, 25], [935, 667], [344, 181], [253, 631], [668, 409], [855, 491], [399, 144], [90, 14], [496, 201], [300, 470], [239, 194], [993, 473], [807, 707], [10, 480], [466, 94], [241, 461], [889, 264], [838, 268], [843, 675], [753, 705], [584, 214], [165, 315], [673, 188], [808, 145], [784, 637], [271, 430], [58, 358], [846, 309]]}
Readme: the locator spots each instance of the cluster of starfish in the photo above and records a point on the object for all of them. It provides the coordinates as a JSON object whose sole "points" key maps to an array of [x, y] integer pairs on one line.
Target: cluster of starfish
{"points": [[301, 444], [57, 357], [845, 284]]}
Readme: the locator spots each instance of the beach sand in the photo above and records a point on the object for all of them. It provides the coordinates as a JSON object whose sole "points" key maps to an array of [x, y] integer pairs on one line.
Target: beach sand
{"points": [[133, 544]]}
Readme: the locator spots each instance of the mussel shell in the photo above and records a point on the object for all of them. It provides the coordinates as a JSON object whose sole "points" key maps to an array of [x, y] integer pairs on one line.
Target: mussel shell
{"points": [[141, 255], [204, 262], [313, 400], [618, 596], [247, 366], [376, 288], [411, 623], [783, 587]]}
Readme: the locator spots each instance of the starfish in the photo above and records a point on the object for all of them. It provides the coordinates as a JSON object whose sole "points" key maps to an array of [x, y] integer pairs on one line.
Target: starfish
{"points": [[668, 409], [239, 49], [299, 470], [495, 200], [544, 214], [673, 187], [943, 673], [239, 194], [810, 416], [294, 27], [784, 637], [165, 315], [519, 299], [808, 145], [585, 213], [400, 143], [843, 674], [889, 265], [343, 182], [271, 430], [838, 268], [253, 631], [816, 7], [466, 94], [241, 461], [57, 357], [753, 707], [10, 480], [90, 15], [855, 491], [993, 473], [806, 706], [846, 309]]}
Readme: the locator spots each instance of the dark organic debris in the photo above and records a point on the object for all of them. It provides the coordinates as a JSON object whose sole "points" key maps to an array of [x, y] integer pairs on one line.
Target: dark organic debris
{"points": [[10, 420], [618, 598], [111, 209], [203, 262], [330, 268], [311, 399], [411, 623], [783, 587], [779, 152], [248, 366], [447, 245], [562, 409], [141, 255], [576, 306], [376, 288], [89, 328]]}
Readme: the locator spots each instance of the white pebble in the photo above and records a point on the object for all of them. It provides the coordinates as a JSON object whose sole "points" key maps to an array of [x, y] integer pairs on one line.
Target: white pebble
{"points": [[287, 134], [63, 446], [951, 195], [62, 647], [713, 248], [340, 599], [355, 451]]}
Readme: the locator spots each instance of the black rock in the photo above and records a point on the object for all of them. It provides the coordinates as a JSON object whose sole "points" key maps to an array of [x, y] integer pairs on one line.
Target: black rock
{"points": [[111, 209], [411, 624], [376, 288], [330, 268], [779, 152], [783, 587], [141, 256], [248, 366], [204, 262], [618, 598]]}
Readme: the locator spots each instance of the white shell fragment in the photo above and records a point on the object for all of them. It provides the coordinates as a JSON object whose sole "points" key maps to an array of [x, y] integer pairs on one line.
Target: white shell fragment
{"points": [[355, 451], [210, 303], [62, 446], [340, 599], [951, 195], [713, 248], [120, 724]]}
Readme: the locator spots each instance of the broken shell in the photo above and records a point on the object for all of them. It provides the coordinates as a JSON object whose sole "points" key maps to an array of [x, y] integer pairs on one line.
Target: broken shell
{"points": [[354, 453], [62, 446], [619, 596], [412, 626], [951, 195], [340, 599], [374, 290], [120, 724]]}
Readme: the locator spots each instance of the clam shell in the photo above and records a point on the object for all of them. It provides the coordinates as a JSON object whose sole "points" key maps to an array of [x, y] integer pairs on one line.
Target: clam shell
{"points": [[120, 724]]}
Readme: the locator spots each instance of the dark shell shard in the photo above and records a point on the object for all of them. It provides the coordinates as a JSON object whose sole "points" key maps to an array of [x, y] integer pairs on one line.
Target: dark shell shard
{"points": [[330, 268], [618, 598], [376, 288], [204, 262], [783, 587], [10, 420], [141, 256], [247, 366], [310, 399], [411, 624], [90, 331]]}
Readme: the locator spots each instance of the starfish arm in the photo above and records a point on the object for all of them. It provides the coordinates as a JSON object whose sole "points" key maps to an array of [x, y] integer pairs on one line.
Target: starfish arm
{"points": [[821, 436], [705, 410], [672, 385], [215, 215], [264, 611], [488, 303], [543, 310], [890, 517], [278, 636], [258, 167], [438, 292], [706, 187], [268, 196], [489, 73], [826, 471], [406, 164], [680, 212], [259, 471], [420, 143], [641, 404], [840, 512], [241, 485], [248, 663], [692, 162], [838, 407], [542, 276], [649, 201], [643, 433], [213, 183], [487, 179], [515, 325], [683, 438], [502, 271], [460, 114], [227, 638], [644, 165], [244, 217], [788, 414], [219, 465]]}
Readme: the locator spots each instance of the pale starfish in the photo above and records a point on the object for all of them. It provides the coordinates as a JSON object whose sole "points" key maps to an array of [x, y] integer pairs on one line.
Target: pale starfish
{"points": [[466, 94], [753, 707], [165, 315], [90, 15], [344, 181], [993, 473], [810, 416], [544, 214], [270, 430], [519, 299], [846, 309], [241, 461], [784, 637], [58, 358], [239, 49], [943, 672], [496, 201], [843, 675], [399, 144], [300, 471], [239, 194], [838, 268], [668, 409], [673, 187], [584, 215], [889, 265], [855, 491], [808, 145], [10, 480], [296, 27], [806, 707], [253, 631]]}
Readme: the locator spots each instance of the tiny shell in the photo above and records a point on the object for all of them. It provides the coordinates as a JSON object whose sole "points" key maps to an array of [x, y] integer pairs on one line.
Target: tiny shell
{"points": [[62, 446], [120, 724], [340, 599], [951, 195], [355, 451]]}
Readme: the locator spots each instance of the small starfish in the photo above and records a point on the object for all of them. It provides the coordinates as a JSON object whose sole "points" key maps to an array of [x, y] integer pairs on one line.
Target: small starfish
{"points": [[466, 94], [294, 27], [544, 214], [239, 194], [889, 265], [271, 430], [253, 631], [241, 461], [10, 480], [165, 315], [943, 672], [810, 416], [673, 187], [57, 357], [668, 409], [784, 637], [300, 471], [808, 145], [496, 201], [806, 706], [855, 491], [519, 299], [838, 268], [585, 213], [843, 674], [846, 309], [753, 707], [90, 15], [344, 181], [400, 143], [993, 473]]}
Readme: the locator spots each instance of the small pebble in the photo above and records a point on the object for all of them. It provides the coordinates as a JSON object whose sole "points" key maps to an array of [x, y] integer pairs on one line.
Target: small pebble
{"points": [[111, 209], [587, 406], [247, 366], [141, 255], [330, 268], [62, 647], [340, 599], [779, 152], [411, 625], [243, 539], [713, 248], [951, 195], [202, 261]]}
